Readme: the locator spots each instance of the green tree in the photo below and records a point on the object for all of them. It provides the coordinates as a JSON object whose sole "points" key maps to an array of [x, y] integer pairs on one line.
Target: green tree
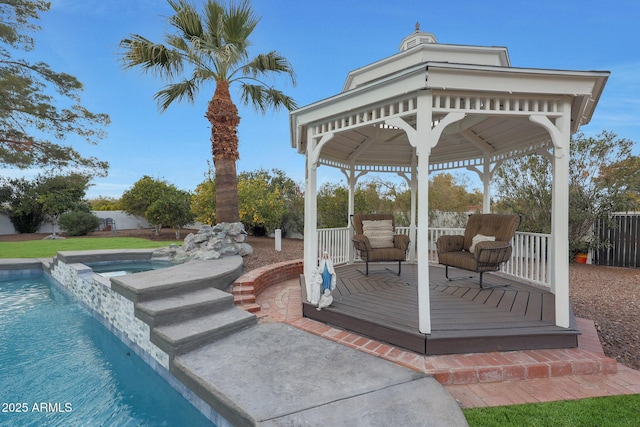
{"points": [[267, 200], [446, 193], [293, 197], [139, 197], [159, 202], [172, 209], [203, 201], [29, 202], [62, 193], [20, 203], [102, 203], [273, 198], [261, 207], [29, 112], [624, 175], [600, 182], [332, 206], [213, 47]]}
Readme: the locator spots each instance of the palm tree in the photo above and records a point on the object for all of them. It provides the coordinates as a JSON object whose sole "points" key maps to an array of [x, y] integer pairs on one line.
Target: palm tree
{"points": [[213, 47]]}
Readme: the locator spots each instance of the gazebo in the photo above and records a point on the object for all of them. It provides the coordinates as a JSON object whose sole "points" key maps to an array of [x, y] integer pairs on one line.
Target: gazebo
{"points": [[434, 107]]}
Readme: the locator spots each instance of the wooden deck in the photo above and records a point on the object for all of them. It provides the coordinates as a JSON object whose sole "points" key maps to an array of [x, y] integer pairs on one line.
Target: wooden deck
{"points": [[506, 315]]}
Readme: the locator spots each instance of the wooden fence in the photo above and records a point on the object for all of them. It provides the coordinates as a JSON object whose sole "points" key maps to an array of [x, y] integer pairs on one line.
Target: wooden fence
{"points": [[622, 234]]}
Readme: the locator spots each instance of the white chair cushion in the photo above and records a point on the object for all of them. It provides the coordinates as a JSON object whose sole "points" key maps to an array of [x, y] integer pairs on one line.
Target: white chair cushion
{"points": [[480, 238], [379, 233]]}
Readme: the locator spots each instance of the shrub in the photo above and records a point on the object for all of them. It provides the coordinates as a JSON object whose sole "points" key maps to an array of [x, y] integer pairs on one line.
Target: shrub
{"points": [[78, 223]]}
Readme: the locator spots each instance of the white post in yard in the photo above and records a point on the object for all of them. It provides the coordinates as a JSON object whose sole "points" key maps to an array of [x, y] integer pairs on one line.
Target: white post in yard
{"points": [[278, 239]]}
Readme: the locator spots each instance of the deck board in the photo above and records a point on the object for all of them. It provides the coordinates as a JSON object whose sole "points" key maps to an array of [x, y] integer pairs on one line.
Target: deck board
{"points": [[507, 315]]}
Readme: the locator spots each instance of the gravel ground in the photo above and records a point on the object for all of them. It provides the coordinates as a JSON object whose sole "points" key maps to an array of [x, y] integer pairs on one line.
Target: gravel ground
{"points": [[610, 296]]}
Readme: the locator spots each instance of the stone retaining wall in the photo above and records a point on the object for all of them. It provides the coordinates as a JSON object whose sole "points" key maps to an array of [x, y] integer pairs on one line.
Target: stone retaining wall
{"points": [[94, 292]]}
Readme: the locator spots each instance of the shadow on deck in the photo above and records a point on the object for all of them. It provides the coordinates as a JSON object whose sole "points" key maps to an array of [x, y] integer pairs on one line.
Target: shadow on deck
{"points": [[506, 315]]}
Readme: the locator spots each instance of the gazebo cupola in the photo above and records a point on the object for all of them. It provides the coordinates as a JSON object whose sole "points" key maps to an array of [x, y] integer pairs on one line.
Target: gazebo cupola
{"points": [[434, 107], [417, 38]]}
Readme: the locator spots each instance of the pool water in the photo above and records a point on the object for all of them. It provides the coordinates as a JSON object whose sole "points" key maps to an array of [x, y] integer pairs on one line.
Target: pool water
{"points": [[60, 366], [113, 269]]}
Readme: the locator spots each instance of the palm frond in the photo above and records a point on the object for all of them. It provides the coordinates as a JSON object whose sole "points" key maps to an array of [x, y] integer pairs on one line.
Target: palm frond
{"points": [[240, 21], [185, 89], [151, 57], [214, 19], [177, 42], [186, 19], [211, 45], [263, 98], [268, 63], [227, 32]]}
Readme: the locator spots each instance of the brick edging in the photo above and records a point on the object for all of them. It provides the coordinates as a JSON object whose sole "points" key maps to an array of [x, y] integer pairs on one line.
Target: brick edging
{"points": [[248, 286], [474, 368]]}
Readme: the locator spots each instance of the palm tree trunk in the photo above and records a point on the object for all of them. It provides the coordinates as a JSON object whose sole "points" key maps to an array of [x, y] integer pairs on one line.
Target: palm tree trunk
{"points": [[223, 116]]}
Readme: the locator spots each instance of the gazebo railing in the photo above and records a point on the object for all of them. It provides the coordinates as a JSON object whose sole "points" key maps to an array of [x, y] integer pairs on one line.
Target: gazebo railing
{"points": [[528, 259]]}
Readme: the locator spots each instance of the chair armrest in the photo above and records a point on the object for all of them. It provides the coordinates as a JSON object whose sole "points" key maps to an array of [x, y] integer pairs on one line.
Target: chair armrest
{"points": [[361, 243], [449, 243], [401, 241], [493, 252]]}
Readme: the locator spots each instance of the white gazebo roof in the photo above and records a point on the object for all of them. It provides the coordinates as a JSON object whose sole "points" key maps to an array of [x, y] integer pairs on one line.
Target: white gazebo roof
{"points": [[480, 82]]}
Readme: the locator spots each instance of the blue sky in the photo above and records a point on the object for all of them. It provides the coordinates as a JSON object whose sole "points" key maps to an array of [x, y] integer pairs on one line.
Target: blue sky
{"points": [[324, 40]]}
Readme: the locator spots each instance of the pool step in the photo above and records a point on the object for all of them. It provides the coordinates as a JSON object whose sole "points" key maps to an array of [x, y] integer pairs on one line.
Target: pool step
{"points": [[176, 280], [182, 307], [182, 337]]}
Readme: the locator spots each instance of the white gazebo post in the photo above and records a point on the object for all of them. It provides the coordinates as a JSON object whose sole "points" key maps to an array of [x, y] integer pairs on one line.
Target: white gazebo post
{"points": [[485, 176], [310, 219], [423, 138], [413, 185], [412, 182], [311, 206], [352, 180], [560, 133], [486, 183]]}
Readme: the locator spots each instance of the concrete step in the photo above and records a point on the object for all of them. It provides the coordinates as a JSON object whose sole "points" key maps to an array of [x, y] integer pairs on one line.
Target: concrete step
{"points": [[182, 307], [182, 337], [171, 281]]}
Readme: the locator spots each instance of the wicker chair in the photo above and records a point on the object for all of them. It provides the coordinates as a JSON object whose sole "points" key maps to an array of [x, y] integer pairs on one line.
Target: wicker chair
{"points": [[394, 250], [492, 246]]}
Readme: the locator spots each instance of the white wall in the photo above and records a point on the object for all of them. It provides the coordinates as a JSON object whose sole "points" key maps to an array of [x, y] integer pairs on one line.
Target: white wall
{"points": [[123, 221]]}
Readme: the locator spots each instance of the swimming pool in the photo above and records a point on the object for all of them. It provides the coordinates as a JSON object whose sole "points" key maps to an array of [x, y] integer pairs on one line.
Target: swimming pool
{"points": [[60, 366], [119, 268]]}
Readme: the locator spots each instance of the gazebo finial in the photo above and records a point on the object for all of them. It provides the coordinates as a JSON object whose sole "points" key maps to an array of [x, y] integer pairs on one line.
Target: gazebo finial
{"points": [[416, 38]]}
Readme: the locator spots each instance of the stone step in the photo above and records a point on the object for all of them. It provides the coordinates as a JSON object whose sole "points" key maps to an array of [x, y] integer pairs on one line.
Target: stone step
{"points": [[182, 337], [182, 307], [171, 281]]}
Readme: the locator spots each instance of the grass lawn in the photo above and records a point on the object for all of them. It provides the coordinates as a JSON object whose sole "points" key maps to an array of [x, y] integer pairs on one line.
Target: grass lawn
{"points": [[618, 411], [48, 248]]}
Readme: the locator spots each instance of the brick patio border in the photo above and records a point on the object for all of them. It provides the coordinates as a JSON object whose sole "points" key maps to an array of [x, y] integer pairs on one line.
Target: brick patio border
{"points": [[248, 286]]}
